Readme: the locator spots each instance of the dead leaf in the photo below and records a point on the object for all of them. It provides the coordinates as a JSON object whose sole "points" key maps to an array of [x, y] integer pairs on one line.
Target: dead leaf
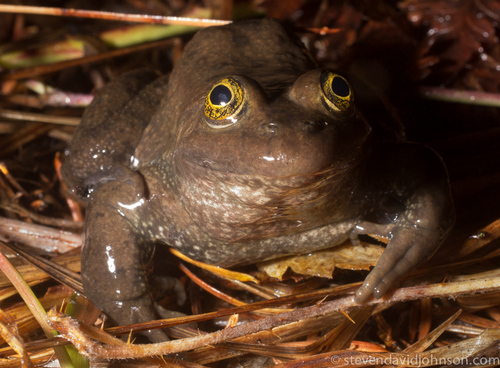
{"points": [[323, 263], [457, 32]]}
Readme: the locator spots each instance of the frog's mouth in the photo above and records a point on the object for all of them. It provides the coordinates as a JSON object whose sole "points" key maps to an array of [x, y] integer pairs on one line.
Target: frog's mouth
{"points": [[240, 207]]}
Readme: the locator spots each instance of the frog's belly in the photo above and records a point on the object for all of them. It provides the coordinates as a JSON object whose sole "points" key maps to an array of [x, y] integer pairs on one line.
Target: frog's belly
{"points": [[237, 253]]}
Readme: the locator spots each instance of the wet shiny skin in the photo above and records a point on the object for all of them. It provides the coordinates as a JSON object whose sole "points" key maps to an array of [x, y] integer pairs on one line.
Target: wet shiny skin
{"points": [[287, 173]]}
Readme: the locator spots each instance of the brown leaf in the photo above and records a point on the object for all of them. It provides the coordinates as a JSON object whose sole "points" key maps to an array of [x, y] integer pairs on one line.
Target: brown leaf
{"points": [[456, 31], [323, 263]]}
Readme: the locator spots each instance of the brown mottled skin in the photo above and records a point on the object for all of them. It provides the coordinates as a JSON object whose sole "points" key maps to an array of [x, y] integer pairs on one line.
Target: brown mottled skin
{"points": [[288, 174]]}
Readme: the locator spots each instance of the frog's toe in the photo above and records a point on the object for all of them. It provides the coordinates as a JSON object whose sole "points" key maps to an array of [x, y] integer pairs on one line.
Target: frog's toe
{"points": [[167, 314], [376, 285], [363, 293], [155, 336], [389, 269], [397, 272], [401, 255]]}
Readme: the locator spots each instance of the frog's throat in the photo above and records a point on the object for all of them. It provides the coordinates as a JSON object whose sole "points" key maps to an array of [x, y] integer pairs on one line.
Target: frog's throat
{"points": [[320, 199], [249, 207]]}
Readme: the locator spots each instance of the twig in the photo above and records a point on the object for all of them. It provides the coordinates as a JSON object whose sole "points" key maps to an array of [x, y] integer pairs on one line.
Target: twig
{"points": [[464, 97], [137, 18], [69, 328]]}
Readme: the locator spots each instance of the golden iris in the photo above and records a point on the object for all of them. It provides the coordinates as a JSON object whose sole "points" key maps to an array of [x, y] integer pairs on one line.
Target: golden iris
{"points": [[337, 91], [224, 101]]}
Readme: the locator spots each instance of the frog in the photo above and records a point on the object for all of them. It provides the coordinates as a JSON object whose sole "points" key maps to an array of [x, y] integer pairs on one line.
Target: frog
{"points": [[247, 151]]}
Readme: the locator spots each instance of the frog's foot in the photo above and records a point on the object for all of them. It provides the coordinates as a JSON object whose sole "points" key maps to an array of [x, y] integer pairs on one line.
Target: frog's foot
{"points": [[164, 285], [126, 312], [408, 246]]}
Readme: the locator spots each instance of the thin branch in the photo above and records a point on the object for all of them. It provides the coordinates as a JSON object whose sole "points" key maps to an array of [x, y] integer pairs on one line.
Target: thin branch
{"points": [[464, 97], [136, 18], [69, 328]]}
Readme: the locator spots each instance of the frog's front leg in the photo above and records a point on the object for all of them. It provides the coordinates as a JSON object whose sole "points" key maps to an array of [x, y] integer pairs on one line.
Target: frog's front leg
{"points": [[416, 231], [117, 254]]}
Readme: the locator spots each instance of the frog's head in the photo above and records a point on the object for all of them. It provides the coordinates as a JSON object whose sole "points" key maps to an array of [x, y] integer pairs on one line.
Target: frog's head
{"points": [[305, 129], [252, 162], [261, 141]]}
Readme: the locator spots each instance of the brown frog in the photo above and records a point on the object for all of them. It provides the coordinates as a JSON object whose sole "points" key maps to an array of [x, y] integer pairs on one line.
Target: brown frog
{"points": [[246, 152]]}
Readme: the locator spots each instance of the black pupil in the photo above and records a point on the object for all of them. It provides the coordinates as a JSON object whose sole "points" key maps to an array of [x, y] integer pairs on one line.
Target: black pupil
{"points": [[340, 87], [220, 95]]}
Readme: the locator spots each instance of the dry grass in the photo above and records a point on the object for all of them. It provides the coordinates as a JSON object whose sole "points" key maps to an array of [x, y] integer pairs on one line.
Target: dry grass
{"points": [[445, 313]]}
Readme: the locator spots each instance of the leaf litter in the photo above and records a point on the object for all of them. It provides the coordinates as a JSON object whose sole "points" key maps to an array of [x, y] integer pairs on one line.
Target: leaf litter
{"points": [[314, 320]]}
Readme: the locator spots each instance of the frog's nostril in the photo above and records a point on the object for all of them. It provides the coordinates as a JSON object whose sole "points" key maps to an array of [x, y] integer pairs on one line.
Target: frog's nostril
{"points": [[271, 127], [313, 126]]}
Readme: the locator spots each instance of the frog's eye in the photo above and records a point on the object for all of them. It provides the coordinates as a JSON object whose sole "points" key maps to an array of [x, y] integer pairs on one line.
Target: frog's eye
{"points": [[223, 103], [337, 92]]}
